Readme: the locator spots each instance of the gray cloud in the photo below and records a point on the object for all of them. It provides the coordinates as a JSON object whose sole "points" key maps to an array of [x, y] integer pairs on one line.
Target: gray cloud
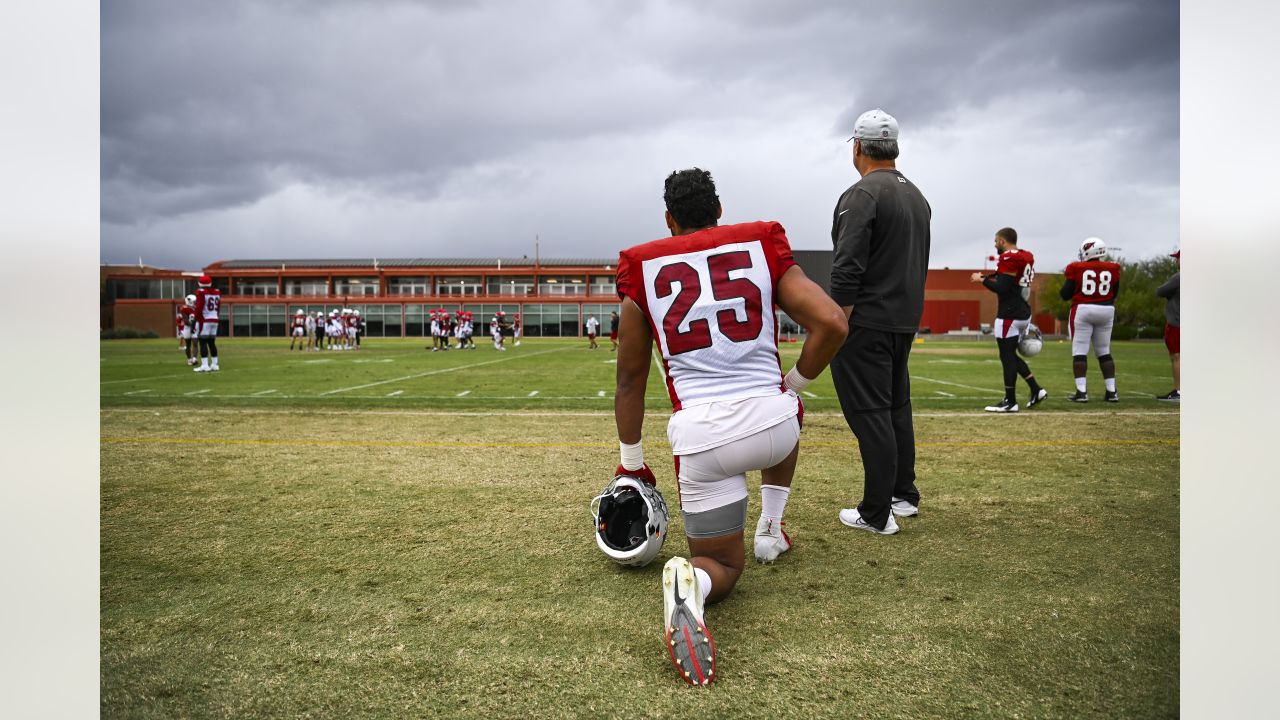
{"points": [[214, 115]]}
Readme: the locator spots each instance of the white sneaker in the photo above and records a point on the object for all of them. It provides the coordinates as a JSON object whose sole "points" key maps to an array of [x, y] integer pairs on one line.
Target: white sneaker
{"points": [[688, 640], [903, 508], [201, 369], [1003, 407], [771, 540], [853, 518]]}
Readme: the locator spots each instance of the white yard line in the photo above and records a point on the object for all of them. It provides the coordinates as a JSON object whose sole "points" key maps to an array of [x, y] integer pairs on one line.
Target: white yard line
{"points": [[321, 360], [600, 394], [199, 392], [959, 385], [808, 394], [599, 413], [264, 392], [464, 393], [947, 394], [437, 372], [153, 377], [138, 392], [533, 394], [394, 393]]}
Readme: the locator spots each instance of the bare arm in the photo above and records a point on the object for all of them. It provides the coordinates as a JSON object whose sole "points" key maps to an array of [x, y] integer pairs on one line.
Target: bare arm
{"points": [[635, 342], [826, 323]]}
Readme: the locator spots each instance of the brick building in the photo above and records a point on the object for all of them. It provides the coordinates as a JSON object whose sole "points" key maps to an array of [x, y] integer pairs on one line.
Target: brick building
{"points": [[552, 296]]}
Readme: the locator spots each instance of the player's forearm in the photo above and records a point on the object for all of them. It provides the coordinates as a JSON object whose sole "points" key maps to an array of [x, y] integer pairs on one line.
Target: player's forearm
{"points": [[822, 342], [628, 411]]}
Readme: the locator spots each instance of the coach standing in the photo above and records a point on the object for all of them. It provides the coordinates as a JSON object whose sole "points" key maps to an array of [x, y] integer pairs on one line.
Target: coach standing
{"points": [[881, 236]]}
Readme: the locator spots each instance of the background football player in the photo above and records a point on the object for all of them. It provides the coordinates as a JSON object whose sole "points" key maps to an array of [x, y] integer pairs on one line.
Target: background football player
{"points": [[1091, 285], [207, 305], [1011, 282], [709, 293], [187, 331], [298, 330]]}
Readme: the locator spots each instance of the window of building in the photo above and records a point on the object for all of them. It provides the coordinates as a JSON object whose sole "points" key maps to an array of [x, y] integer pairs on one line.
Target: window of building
{"points": [[257, 287], [511, 285], [552, 320], [408, 285], [459, 286], [306, 286], [562, 285], [362, 286], [258, 320], [603, 285]]}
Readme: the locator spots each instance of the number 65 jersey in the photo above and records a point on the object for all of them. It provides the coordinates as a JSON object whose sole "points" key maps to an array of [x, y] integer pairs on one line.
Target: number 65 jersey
{"points": [[709, 298]]}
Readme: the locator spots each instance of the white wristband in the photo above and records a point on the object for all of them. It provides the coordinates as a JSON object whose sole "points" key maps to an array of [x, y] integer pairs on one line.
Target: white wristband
{"points": [[632, 456], [795, 381]]}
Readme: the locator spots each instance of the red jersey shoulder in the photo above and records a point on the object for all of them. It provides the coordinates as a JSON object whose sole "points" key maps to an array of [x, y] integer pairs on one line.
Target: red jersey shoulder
{"points": [[772, 237], [1014, 261]]}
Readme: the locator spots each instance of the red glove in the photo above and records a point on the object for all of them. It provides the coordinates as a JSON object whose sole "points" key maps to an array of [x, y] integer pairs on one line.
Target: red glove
{"points": [[644, 474]]}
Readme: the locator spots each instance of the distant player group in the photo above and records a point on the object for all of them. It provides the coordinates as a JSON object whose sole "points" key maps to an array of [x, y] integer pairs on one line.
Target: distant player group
{"points": [[341, 330], [460, 325]]}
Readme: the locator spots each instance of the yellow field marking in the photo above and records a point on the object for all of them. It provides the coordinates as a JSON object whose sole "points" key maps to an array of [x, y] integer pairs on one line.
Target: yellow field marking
{"points": [[436, 444]]}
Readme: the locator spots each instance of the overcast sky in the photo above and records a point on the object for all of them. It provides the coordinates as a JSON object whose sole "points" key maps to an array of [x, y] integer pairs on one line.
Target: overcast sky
{"points": [[309, 128]]}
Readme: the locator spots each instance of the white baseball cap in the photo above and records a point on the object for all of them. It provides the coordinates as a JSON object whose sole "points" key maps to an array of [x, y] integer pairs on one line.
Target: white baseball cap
{"points": [[875, 125]]}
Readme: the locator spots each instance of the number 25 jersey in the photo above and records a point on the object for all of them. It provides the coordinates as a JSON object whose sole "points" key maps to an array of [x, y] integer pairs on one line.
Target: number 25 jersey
{"points": [[709, 298]]}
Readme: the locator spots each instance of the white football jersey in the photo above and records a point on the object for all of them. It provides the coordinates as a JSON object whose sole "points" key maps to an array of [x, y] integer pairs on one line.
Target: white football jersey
{"points": [[709, 297]]}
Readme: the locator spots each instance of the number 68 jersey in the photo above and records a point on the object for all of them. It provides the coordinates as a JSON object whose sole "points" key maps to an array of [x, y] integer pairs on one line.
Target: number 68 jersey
{"points": [[709, 298]]}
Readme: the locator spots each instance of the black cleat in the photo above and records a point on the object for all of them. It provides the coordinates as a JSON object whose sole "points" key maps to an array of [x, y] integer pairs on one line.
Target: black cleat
{"points": [[1037, 397], [1173, 396], [1112, 396], [1005, 406], [1080, 397]]}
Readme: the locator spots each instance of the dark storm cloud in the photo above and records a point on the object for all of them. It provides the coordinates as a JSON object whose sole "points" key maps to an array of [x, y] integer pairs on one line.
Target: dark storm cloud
{"points": [[212, 106]]}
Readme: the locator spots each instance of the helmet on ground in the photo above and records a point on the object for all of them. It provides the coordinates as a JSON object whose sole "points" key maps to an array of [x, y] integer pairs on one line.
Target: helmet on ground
{"points": [[631, 521], [191, 299], [1030, 344], [1092, 249]]}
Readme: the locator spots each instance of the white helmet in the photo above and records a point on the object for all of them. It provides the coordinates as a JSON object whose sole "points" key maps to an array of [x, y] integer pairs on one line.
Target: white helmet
{"points": [[356, 313], [300, 312], [1030, 344], [1092, 249], [631, 521], [191, 299]]}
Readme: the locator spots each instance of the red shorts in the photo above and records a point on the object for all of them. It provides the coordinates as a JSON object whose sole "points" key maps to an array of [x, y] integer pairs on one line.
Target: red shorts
{"points": [[1171, 338], [613, 335]]}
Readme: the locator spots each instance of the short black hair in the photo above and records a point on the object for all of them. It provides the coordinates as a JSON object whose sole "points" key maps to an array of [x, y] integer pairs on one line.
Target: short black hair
{"points": [[691, 198], [1009, 234]]}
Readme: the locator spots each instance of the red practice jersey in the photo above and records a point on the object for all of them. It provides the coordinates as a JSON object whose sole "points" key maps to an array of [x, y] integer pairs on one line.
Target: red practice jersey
{"points": [[208, 303], [188, 315], [1020, 264], [1095, 281], [709, 298]]}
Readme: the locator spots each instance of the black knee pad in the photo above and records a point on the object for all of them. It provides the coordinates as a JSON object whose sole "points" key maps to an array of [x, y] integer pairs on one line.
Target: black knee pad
{"points": [[1104, 358], [1080, 358]]}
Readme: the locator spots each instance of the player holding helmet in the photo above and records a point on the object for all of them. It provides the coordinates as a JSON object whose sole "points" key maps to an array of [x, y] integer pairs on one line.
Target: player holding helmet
{"points": [[707, 296], [1011, 282], [1091, 284]]}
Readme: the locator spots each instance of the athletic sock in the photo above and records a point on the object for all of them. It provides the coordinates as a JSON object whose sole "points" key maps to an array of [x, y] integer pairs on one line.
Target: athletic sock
{"points": [[1010, 394], [773, 501], [1110, 383], [704, 581], [1080, 384], [1035, 386]]}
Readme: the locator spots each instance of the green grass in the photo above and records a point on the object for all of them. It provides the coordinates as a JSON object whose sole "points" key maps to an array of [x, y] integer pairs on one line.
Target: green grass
{"points": [[396, 374], [357, 555]]}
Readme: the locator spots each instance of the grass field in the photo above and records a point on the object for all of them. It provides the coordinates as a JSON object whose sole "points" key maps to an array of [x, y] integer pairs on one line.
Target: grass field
{"points": [[396, 533]]}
